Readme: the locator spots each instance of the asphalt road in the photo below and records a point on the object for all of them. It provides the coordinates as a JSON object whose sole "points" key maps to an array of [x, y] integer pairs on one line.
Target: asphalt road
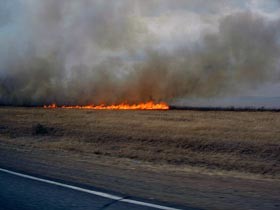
{"points": [[23, 192]]}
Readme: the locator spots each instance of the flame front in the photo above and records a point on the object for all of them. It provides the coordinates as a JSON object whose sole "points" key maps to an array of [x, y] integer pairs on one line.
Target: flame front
{"points": [[123, 106]]}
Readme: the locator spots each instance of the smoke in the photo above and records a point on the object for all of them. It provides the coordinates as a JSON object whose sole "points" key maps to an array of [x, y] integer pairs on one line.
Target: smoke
{"points": [[93, 51]]}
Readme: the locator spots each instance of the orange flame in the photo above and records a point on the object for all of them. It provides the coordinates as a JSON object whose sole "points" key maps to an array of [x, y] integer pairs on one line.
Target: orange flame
{"points": [[123, 106]]}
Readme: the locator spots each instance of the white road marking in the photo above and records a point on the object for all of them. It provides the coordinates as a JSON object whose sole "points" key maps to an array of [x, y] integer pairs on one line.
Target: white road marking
{"points": [[93, 192]]}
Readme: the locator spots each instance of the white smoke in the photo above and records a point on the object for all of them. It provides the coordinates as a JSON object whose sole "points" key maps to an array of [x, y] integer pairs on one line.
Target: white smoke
{"points": [[93, 51]]}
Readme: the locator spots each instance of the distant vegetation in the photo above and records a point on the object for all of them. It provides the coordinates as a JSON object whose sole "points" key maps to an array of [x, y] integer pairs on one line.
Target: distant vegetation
{"points": [[231, 108]]}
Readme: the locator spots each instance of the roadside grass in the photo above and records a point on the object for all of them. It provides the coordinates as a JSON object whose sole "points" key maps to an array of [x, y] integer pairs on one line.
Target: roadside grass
{"points": [[233, 141]]}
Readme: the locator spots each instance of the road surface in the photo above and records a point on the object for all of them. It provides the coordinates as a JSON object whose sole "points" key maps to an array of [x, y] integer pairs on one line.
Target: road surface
{"points": [[20, 191]]}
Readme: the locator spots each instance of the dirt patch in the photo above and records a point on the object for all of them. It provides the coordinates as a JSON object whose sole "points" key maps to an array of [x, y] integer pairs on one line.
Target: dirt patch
{"points": [[40, 129]]}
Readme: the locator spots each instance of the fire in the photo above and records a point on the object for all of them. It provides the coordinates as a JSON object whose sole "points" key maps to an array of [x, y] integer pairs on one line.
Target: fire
{"points": [[123, 106]]}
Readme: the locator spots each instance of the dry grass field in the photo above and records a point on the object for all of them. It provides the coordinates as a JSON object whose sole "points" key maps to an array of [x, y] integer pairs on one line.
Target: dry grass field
{"points": [[239, 142]]}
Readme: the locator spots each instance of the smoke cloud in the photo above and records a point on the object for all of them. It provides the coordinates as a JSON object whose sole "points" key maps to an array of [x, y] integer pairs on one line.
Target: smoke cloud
{"points": [[94, 51]]}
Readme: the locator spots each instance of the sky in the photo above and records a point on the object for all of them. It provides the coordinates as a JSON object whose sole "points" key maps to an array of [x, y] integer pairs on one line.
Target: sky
{"points": [[94, 51]]}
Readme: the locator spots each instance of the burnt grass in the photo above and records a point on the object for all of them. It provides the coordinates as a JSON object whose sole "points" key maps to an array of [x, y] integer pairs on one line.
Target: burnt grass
{"points": [[232, 141], [40, 129]]}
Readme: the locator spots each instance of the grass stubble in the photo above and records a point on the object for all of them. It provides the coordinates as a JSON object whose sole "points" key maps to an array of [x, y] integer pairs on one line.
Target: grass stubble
{"points": [[216, 141]]}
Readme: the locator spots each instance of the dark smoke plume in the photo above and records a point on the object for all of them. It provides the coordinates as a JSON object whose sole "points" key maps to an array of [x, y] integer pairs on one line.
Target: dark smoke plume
{"points": [[90, 51]]}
